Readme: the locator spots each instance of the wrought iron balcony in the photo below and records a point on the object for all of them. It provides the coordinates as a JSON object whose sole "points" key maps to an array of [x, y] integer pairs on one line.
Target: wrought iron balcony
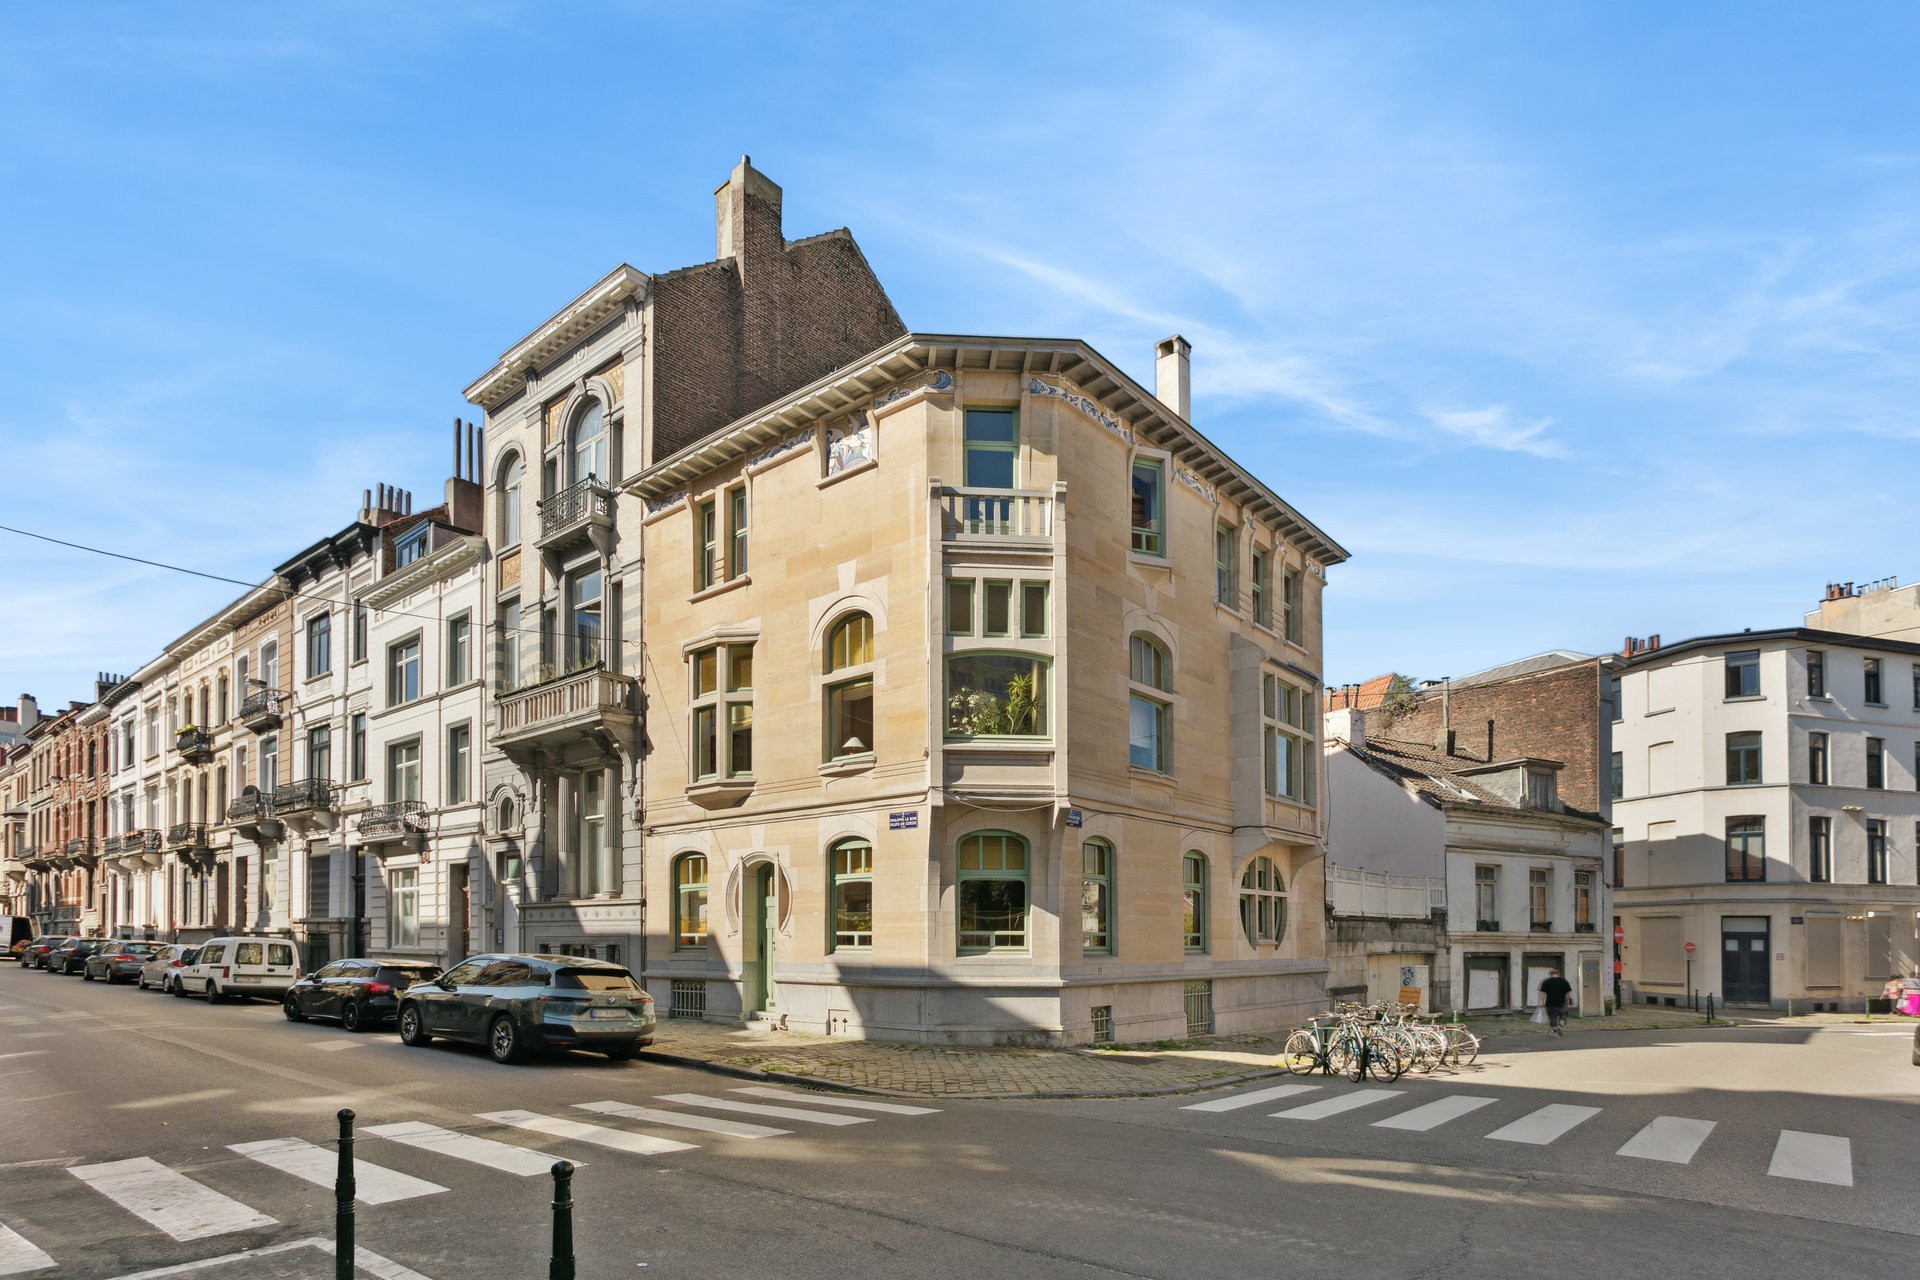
{"points": [[583, 704], [578, 511], [138, 842], [194, 744], [261, 710], [396, 817], [252, 816], [187, 835], [80, 847], [303, 796]]}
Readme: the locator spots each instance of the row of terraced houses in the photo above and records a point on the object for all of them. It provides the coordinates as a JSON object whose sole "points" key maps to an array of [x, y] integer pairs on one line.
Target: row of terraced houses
{"points": [[914, 686]]}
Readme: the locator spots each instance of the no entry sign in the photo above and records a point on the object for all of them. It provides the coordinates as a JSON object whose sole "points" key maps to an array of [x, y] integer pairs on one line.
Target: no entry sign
{"points": [[1619, 935], [1689, 948]]}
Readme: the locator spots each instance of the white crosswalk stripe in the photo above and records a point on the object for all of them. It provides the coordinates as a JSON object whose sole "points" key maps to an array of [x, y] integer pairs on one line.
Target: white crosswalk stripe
{"points": [[1336, 1106], [1549, 1123], [19, 1255], [1434, 1114], [173, 1202], [838, 1100], [372, 1184], [464, 1146], [756, 1109], [681, 1120], [1813, 1157], [1253, 1099], [1674, 1139], [638, 1144]]}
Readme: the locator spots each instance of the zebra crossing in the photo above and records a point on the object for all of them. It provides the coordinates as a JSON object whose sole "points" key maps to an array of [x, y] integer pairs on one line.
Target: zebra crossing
{"points": [[1805, 1157], [186, 1209]]}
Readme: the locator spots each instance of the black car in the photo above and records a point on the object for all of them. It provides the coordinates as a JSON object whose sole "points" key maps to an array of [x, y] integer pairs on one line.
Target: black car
{"points": [[117, 959], [35, 956], [71, 955], [512, 1004], [360, 993]]}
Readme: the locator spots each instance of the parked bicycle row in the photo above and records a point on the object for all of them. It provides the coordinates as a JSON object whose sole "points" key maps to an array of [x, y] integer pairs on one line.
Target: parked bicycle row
{"points": [[1381, 1040], [510, 1004]]}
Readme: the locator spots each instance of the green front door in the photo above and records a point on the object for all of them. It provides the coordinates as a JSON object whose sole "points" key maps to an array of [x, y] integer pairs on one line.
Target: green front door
{"points": [[763, 913]]}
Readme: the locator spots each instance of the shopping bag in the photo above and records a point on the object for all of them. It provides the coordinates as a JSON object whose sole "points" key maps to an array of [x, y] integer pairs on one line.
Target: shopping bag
{"points": [[1540, 1014]]}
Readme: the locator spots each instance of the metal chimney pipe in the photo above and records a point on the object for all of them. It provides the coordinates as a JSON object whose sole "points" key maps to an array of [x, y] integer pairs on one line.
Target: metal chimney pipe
{"points": [[456, 448], [366, 503]]}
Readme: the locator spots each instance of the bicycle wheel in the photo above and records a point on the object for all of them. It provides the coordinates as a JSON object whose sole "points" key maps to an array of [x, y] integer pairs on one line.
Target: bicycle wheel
{"points": [[1359, 1061], [1302, 1053], [1466, 1047], [1339, 1053]]}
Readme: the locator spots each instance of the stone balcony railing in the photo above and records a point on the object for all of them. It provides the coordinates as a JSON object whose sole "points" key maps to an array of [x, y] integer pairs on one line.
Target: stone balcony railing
{"points": [[577, 705], [576, 511], [996, 516]]}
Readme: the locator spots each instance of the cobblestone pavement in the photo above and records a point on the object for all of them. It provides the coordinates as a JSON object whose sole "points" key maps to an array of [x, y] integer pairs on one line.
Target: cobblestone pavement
{"points": [[1164, 1067]]}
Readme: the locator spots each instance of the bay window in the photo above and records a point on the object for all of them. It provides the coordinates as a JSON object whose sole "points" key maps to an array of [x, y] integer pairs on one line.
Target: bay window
{"points": [[996, 695]]}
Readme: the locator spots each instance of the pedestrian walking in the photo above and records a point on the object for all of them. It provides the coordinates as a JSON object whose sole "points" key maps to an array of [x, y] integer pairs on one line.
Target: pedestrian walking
{"points": [[1554, 991]]}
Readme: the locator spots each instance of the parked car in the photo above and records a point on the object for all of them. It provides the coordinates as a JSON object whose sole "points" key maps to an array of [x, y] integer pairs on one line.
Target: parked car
{"points": [[16, 932], [117, 958], [35, 954], [162, 970], [239, 967], [512, 1004], [71, 955], [360, 993]]}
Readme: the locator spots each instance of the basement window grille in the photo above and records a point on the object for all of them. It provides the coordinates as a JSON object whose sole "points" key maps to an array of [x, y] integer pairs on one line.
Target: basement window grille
{"points": [[1103, 1024], [689, 999], [1199, 1008]]}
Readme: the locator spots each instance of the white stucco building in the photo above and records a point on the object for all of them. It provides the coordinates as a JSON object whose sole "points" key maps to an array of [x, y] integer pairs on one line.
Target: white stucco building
{"points": [[1768, 816]]}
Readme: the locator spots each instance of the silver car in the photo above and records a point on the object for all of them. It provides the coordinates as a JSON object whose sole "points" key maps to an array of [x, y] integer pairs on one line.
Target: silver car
{"points": [[162, 971]]}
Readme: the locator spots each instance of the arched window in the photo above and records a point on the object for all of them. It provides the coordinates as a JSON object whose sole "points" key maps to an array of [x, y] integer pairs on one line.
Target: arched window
{"points": [[512, 478], [850, 700], [587, 445], [850, 866], [1096, 896], [1149, 718], [690, 902], [1193, 875], [992, 892], [1263, 903]]}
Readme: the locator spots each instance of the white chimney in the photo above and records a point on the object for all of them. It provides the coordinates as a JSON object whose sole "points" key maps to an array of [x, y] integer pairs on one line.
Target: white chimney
{"points": [[1347, 724], [1173, 376]]}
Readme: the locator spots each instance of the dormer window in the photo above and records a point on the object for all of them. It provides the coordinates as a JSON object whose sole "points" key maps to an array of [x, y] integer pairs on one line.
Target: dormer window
{"points": [[410, 547], [1542, 793]]}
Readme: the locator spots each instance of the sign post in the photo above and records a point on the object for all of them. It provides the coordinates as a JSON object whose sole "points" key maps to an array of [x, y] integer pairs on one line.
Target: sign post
{"points": [[1690, 951]]}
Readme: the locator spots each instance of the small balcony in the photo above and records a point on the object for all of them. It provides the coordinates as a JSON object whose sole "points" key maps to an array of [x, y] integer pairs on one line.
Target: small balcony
{"points": [[310, 795], [395, 818], [187, 835], [1487, 926], [82, 847], [138, 844], [578, 512], [594, 703], [261, 710], [1540, 926], [110, 847], [252, 816], [997, 517], [194, 744]]}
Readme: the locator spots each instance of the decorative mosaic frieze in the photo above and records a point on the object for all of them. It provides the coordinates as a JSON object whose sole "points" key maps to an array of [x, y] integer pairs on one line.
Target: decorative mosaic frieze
{"points": [[849, 444], [940, 381], [1085, 404], [781, 448], [1194, 483], [666, 502]]}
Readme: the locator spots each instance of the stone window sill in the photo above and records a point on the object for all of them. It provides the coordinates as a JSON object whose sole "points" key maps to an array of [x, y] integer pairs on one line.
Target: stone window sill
{"points": [[848, 766], [721, 792], [719, 588]]}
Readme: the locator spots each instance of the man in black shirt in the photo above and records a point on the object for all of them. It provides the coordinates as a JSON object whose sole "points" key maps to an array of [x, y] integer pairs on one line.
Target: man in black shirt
{"points": [[1554, 991]]}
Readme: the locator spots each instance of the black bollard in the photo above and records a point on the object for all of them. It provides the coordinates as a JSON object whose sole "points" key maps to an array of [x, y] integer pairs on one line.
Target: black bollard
{"points": [[343, 1249], [560, 1266]]}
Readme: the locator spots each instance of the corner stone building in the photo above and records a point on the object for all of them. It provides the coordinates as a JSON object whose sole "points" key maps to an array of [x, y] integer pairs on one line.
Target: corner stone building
{"points": [[636, 368]]}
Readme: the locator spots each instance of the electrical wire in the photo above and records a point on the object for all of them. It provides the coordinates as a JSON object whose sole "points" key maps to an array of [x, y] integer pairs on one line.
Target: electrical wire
{"points": [[286, 593]]}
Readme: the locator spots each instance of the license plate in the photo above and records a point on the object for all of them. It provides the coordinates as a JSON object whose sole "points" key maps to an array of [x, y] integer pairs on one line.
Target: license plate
{"points": [[606, 1013], [246, 978]]}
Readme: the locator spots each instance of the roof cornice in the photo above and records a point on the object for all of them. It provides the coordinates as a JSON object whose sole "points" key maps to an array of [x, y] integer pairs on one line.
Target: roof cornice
{"points": [[460, 554], [1145, 418], [583, 315], [1802, 635]]}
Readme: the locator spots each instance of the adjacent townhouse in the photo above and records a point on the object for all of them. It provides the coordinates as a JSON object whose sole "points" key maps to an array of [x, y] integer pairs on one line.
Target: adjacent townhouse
{"points": [[1768, 816]]}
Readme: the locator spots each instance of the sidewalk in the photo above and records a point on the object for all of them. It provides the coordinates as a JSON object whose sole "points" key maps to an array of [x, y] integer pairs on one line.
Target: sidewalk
{"points": [[912, 1070]]}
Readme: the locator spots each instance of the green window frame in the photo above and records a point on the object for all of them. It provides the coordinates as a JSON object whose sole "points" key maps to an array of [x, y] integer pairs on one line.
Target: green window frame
{"points": [[992, 444], [1290, 606], [1149, 506], [1033, 610], [1262, 570], [736, 531], [849, 703], [1263, 903], [850, 643], [690, 902], [1149, 718], [996, 608], [1193, 894], [997, 695], [1226, 584], [1286, 713], [992, 903], [1096, 897], [960, 606], [850, 870], [1743, 759], [706, 560]]}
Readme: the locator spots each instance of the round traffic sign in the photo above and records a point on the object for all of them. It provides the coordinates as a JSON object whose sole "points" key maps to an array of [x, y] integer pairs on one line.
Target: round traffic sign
{"points": [[1619, 934], [1689, 948]]}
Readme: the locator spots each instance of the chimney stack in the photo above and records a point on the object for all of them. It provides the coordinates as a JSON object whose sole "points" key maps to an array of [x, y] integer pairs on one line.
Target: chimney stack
{"points": [[1173, 376], [745, 207], [1349, 724]]}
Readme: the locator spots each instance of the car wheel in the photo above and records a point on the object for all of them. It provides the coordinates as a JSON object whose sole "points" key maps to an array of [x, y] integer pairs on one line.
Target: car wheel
{"points": [[291, 1007], [503, 1040], [212, 993], [413, 1027], [625, 1053], [86, 975], [175, 990], [352, 1018]]}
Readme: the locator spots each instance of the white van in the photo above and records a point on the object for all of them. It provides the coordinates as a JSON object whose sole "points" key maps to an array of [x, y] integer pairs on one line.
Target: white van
{"points": [[240, 967]]}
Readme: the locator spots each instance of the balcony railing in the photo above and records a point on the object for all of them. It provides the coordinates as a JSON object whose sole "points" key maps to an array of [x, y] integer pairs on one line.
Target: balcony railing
{"points": [[1352, 891], [298, 797], [576, 506], [246, 809], [995, 515], [141, 841], [110, 847], [261, 708], [582, 699], [194, 744], [394, 816], [80, 847], [187, 835]]}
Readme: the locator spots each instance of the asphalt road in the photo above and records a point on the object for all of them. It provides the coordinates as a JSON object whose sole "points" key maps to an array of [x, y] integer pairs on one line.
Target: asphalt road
{"points": [[1653, 1154]]}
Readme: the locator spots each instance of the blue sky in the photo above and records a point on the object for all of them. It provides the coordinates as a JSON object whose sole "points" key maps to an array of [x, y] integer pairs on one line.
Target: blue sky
{"points": [[1568, 321]]}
